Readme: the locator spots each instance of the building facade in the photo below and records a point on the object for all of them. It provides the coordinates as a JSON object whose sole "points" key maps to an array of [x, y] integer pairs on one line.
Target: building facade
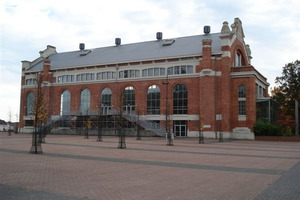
{"points": [[197, 83]]}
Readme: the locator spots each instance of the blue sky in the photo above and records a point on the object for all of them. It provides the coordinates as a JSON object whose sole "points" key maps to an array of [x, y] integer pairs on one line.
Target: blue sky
{"points": [[271, 27]]}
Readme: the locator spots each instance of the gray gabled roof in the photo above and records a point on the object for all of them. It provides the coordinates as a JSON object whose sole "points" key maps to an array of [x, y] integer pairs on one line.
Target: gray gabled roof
{"points": [[151, 50]]}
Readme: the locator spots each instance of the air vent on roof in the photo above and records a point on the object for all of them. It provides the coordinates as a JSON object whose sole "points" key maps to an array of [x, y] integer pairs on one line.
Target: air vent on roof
{"points": [[159, 35], [168, 42], [118, 41], [84, 52], [206, 30], [81, 46]]}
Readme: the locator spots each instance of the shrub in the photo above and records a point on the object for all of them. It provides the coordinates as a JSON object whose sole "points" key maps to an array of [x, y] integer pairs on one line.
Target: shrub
{"points": [[262, 128], [288, 131]]}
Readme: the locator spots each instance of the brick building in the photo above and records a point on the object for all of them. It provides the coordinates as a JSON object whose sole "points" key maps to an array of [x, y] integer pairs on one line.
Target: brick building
{"points": [[204, 81]]}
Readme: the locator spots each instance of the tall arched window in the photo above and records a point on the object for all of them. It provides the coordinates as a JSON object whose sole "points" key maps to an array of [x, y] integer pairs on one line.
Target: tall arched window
{"points": [[242, 100], [237, 59], [180, 99], [29, 104], [153, 100], [65, 99], [105, 104], [129, 99], [85, 97]]}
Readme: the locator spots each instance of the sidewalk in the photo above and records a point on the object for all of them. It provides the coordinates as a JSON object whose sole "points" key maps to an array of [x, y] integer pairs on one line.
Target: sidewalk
{"points": [[72, 167]]}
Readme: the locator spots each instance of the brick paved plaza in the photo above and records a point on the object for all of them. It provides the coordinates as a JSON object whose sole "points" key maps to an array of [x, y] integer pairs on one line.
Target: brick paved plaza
{"points": [[72, 167]]}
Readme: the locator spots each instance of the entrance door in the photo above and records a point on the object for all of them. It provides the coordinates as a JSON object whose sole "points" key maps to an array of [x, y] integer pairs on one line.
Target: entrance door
{"points": [[180, 130]]}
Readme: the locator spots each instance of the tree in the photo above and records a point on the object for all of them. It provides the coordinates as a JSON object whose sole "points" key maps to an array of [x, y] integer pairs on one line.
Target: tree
{"points": [[40, 112], [289, 81], [9, 122], [287, 93]]}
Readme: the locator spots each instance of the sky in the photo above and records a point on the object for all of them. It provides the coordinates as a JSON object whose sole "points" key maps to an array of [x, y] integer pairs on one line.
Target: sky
{"points": [[271, 28]]}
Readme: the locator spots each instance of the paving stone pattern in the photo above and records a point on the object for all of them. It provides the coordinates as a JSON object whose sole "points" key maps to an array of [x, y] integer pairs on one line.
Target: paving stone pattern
{"points": [[73, 167]]}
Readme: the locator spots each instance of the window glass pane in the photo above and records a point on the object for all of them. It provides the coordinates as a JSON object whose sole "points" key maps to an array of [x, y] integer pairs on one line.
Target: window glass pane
{"points": [[126, 74], [180, 99], [83, 77], [104, 75], [162, 71], [150, 72], [121, 74], [99, 76], [153, 100], [144, 72], [189, 69], [88, 77], [65, 103], [114, 75], [137, 73], [242, 107], [131, 73], [78, 77], [109, 75], [129, 99], [29, 104], [177, 70], [242, 91], [170, 70], [183, 69], [105, 101], [156, 71], [85, 101]]}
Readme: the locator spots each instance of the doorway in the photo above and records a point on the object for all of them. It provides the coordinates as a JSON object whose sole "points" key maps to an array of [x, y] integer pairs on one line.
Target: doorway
{"points": [[180, 128]]}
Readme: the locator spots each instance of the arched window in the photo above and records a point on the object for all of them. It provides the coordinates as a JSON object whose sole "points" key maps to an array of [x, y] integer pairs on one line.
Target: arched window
{"points": [[242, 100], [180, 99], [129, 99], [105, 104], [153, 100], [85, 97], [237, 59], [29, 104], [65, 99]]}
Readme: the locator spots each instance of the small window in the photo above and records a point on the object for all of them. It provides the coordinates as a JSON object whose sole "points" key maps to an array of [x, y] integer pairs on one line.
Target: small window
{"points": [[131, 73], [156, 71], [121, 74], [237, 59], [170, 70], [109, 75], [104, 75], [177, 70], [242, 91], [183, 69], [242, 100], [150, 72], [189, 69], [99, 76], [126, 74], [162, 71], [137, 73], [144, 72], [83, 77]]}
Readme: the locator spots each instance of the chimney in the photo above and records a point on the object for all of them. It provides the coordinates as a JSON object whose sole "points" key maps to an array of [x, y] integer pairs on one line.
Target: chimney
{"points": [[118, 41], [81, 46], [159, 35], [206, 30]]}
